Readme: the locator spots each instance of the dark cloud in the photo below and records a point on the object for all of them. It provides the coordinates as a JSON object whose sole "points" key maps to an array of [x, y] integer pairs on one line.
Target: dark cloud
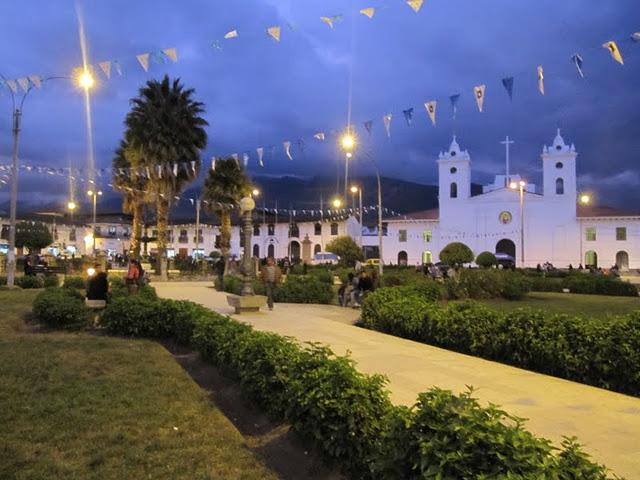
{"points": [[259, 93]]}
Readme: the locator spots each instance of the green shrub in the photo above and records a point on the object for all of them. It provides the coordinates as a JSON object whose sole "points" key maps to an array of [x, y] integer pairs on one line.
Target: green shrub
{"points": [[484, 284], [51, 281], [75, 282], [584, 283], [604, 354], [30, 281], [456, 254], [304, 289], [486, 260], [61, 308]]}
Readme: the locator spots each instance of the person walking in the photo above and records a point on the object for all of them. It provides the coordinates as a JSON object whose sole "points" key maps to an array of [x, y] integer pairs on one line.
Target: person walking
{"points": [[219, 267], [132, 279], [270, 275]]}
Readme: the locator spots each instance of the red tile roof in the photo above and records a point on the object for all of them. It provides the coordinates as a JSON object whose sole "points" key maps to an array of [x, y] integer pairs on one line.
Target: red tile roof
{"points": [[589, 211]]}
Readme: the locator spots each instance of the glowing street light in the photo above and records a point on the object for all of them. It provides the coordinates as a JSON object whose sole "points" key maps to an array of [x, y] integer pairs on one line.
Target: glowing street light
{"points": [[348, 142], [86, 80], [72, 206], [337, 203], [255, 192], [585, 199]]}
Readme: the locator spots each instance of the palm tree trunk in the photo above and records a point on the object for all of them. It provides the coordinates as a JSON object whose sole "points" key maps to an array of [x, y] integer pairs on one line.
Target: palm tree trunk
{"points": [[136, 229], [163, 226], [225, 237]]}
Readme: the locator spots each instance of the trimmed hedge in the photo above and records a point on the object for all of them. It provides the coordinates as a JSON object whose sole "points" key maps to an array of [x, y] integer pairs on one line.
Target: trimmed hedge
{"points": [[604, 354], [313, 288], [76, 282], [30, 281], [347, 415], [479, 284], [61, 308], [585, 283]]}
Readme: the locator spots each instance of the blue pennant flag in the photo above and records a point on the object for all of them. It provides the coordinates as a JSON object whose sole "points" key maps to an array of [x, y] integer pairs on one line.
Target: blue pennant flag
{"points": [[368, 125], [454, 103], [508, 85], [577, 61], [408, 115]]}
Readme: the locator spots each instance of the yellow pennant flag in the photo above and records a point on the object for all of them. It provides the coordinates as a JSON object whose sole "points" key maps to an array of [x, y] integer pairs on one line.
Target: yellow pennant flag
{"points": [[106, 68], [36, 80], [415, 4], [368, 12], [231, 34], [327, 20], [24, 83], [479, 94], [614, 51], [541, 79], [171, 53], [274, 32], [143, 58]]}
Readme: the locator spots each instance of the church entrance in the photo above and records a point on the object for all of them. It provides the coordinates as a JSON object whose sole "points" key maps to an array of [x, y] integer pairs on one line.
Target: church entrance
{"points": [[507, 247], [427, 257], [622, 260], [294, 250], [402, 258]]}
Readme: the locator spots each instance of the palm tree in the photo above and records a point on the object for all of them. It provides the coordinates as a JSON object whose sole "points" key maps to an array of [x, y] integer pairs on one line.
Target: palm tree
{"points": [[224, 187], [166, 130], [133, 187]]}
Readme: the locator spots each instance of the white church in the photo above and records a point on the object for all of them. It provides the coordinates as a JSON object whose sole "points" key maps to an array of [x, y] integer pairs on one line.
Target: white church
{"points": [[553, 224]]}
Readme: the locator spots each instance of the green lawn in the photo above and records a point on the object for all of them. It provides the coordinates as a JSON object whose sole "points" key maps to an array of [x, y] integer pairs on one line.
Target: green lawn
{"points": [[78, 406], [599, 306]]}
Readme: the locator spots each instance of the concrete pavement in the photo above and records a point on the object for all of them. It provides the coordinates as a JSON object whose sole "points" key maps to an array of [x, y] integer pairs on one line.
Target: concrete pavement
{"points": [[607, 423]]}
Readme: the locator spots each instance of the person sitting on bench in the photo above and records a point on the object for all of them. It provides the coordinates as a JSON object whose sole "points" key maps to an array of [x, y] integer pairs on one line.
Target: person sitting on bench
{"points": [[98, 285]]}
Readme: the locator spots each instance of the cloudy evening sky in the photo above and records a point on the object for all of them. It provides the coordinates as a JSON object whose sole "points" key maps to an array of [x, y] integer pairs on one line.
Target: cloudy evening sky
{"points": [[260, 93]]}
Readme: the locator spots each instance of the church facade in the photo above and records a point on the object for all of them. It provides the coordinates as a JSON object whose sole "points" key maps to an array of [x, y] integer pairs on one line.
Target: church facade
{"points": [[516, 218]]}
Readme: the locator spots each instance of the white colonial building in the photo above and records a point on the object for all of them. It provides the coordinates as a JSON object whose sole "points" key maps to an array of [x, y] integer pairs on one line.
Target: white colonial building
{"points": [[530, 224]]}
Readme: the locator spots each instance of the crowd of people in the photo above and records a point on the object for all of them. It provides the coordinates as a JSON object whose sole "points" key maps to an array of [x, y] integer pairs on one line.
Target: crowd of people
{"points": [[356, 287]]}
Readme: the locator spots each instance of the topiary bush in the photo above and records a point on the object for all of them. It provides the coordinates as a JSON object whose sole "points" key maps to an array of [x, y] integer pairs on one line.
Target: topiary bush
{"points": [[486, 260], [304, 289], [30, 281], [74, 282], [51, 281], [61, 308], [456, 254]]}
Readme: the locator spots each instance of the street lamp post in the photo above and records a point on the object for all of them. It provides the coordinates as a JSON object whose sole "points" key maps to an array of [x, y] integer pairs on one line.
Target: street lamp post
{"points": [[17, 110], [520, 186], [94, 195], [247, 204], [358, 190], [585, 199]]}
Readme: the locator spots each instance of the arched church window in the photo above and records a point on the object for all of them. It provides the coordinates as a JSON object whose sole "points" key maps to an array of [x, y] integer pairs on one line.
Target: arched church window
{"points": [[453, 190], [559, 165], [453, 170], [559, 186]]}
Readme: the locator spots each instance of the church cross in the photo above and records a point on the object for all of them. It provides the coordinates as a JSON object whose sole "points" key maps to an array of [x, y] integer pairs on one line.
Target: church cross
{"points": [[507, 143]]}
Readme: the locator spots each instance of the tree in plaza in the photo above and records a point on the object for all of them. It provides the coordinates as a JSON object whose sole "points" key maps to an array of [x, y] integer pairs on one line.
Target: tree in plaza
{"points": [[486, 260], [224, 187], [33, 235], [456, 253], [347, 249], [133, 188], [165, 129]]}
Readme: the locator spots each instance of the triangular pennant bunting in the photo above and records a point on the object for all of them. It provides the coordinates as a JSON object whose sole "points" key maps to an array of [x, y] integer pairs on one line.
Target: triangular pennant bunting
{"points": [[118, 67], [319, 136], [416, 5], [175, 169], [508, 86], [236, 157], [171, 54], [387, 123], [431, 110], [454, 103], [213, 164], [368, 125], [260, 151], [274, 32], [635, 37], [368, 12], [24, 83], [231, 34], [577, 61], [331, 20], [541, 79], [143, 58], [479, 94], [36, 80], [106, 68], [614, 51], [245, 159]]}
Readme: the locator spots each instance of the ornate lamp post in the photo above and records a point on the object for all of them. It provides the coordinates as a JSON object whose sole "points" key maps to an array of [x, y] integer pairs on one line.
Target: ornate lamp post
{"points": [[247, 204]]}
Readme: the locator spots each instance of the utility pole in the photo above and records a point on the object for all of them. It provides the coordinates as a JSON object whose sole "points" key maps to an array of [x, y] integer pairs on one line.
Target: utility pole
{"points": [[11, 254], [197, 228]]}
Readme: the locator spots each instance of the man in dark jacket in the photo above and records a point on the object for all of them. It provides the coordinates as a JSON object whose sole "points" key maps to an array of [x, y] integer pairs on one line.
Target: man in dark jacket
{"points": [[98, 285]]}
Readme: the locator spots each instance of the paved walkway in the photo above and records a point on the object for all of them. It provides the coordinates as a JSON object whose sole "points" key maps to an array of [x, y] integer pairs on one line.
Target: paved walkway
{"points": [[607, 423]]}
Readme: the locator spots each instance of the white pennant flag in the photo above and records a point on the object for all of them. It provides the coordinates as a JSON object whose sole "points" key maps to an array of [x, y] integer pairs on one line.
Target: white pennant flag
{"points": [[387, 124], [213, 164], [479, 94], [236, 158], [231, 34], [143, 58], [36, 80], [415, 4], [274, 32], [106, 68], [614, 51], [159, 171], [171, 53], [431, 110], [245, 159], [368, 12], [541, 79], [260, 151], [193, 166], [148, 172], [175, 169], [635, 37], [287, 149], [319, 136], [118, 67], [328, 20], [13, 86], [24, 83]]}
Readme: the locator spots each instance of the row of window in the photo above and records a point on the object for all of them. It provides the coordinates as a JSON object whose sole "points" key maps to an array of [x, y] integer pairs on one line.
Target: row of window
{"points": [[591, 234], [427, 236], [453, 188]]}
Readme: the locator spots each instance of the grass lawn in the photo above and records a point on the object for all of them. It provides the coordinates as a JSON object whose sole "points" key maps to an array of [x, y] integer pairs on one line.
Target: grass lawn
{"points": [[599, 306], [79, 406]]}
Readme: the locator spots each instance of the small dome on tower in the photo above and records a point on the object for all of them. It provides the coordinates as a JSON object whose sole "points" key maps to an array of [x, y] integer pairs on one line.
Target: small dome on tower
{"points": [[454, 151], [558, 144]]}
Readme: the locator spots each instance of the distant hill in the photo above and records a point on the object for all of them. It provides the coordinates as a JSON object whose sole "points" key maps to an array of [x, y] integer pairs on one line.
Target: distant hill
{"points": [[292, 192]]}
